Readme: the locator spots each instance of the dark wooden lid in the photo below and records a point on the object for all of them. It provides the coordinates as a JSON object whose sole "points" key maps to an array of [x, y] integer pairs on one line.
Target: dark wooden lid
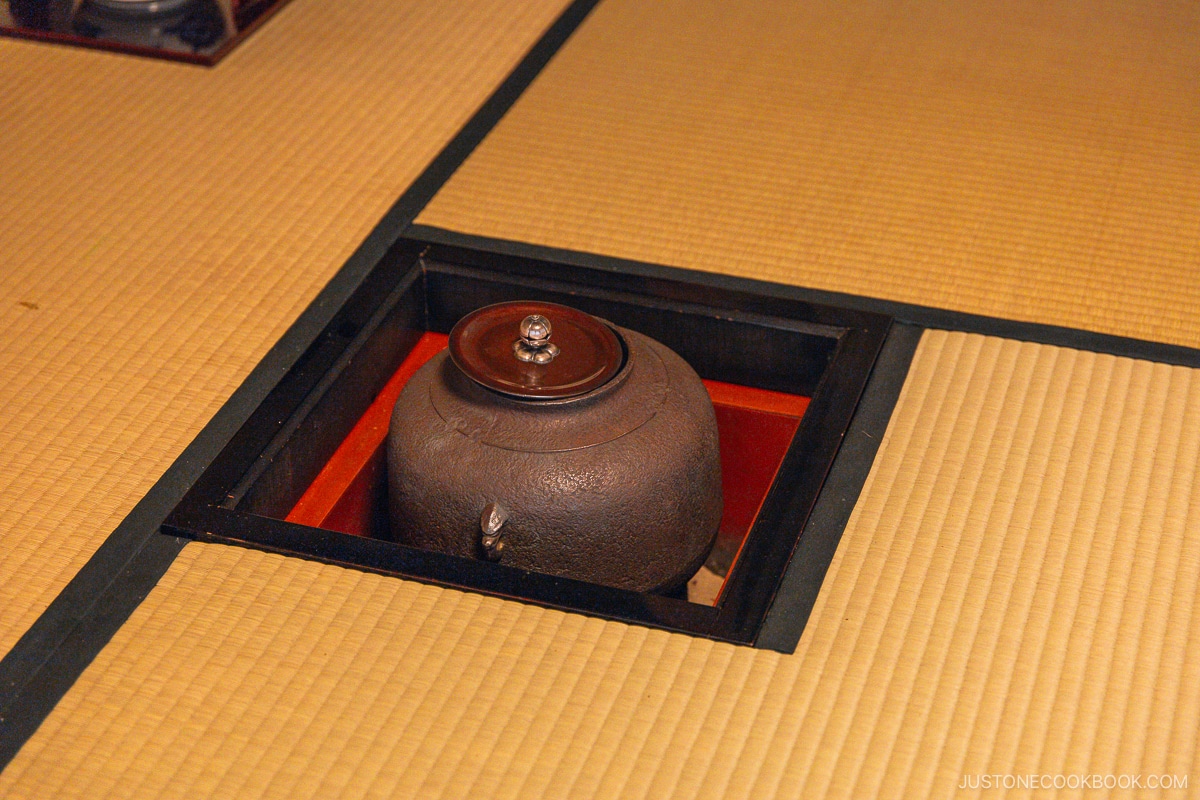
{"points": [[485, 344]]}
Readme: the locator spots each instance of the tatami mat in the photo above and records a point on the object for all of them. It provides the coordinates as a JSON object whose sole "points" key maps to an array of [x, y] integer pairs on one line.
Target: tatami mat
{"points": [[1032, 161], [1015, 593], [161, 225]]}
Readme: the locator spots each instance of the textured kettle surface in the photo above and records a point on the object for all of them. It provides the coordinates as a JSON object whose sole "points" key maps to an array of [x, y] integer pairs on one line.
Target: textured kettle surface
{"points": [[621, 486]]}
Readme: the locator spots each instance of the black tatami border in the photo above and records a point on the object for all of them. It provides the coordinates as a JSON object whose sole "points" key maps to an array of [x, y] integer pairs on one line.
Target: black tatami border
{"points": [[81, 620]]}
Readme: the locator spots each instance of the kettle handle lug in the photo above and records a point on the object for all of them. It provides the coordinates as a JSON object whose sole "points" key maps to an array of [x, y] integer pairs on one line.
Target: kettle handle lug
{"points": [[491, 524]]}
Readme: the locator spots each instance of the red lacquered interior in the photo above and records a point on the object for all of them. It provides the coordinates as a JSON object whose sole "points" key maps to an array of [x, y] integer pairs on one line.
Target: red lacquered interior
{"points": [[755, 427]]}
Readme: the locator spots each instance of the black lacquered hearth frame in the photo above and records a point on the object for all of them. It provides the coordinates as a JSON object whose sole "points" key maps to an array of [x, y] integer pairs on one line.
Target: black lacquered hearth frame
{"points": [[758, 340]]}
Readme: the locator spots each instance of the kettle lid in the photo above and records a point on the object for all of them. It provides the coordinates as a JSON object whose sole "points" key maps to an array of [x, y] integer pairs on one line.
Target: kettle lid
{"points": [[536, 351]]}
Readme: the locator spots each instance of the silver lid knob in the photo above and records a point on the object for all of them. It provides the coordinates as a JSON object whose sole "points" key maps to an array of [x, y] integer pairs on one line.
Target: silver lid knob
{"points": [[535, 328], [535, 345]]}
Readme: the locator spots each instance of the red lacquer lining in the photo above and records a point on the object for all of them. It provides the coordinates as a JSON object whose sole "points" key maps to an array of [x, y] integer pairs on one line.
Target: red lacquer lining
{"points": [[756, 427], [339, 498]]}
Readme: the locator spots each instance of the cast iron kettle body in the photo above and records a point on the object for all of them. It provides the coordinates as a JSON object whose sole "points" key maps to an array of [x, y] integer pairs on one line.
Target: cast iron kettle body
{"points": [[605, 468]]}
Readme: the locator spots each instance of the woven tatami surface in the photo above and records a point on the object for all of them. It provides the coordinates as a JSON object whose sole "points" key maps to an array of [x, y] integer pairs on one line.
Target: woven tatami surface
{"points": [[161, 225], [1016, 592], [1033, 161]]}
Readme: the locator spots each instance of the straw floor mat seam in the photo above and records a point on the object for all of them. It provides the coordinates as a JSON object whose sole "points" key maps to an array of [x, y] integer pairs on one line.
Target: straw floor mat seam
{"points": [[1016, 592], [162, 224], [1030, 161]]}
